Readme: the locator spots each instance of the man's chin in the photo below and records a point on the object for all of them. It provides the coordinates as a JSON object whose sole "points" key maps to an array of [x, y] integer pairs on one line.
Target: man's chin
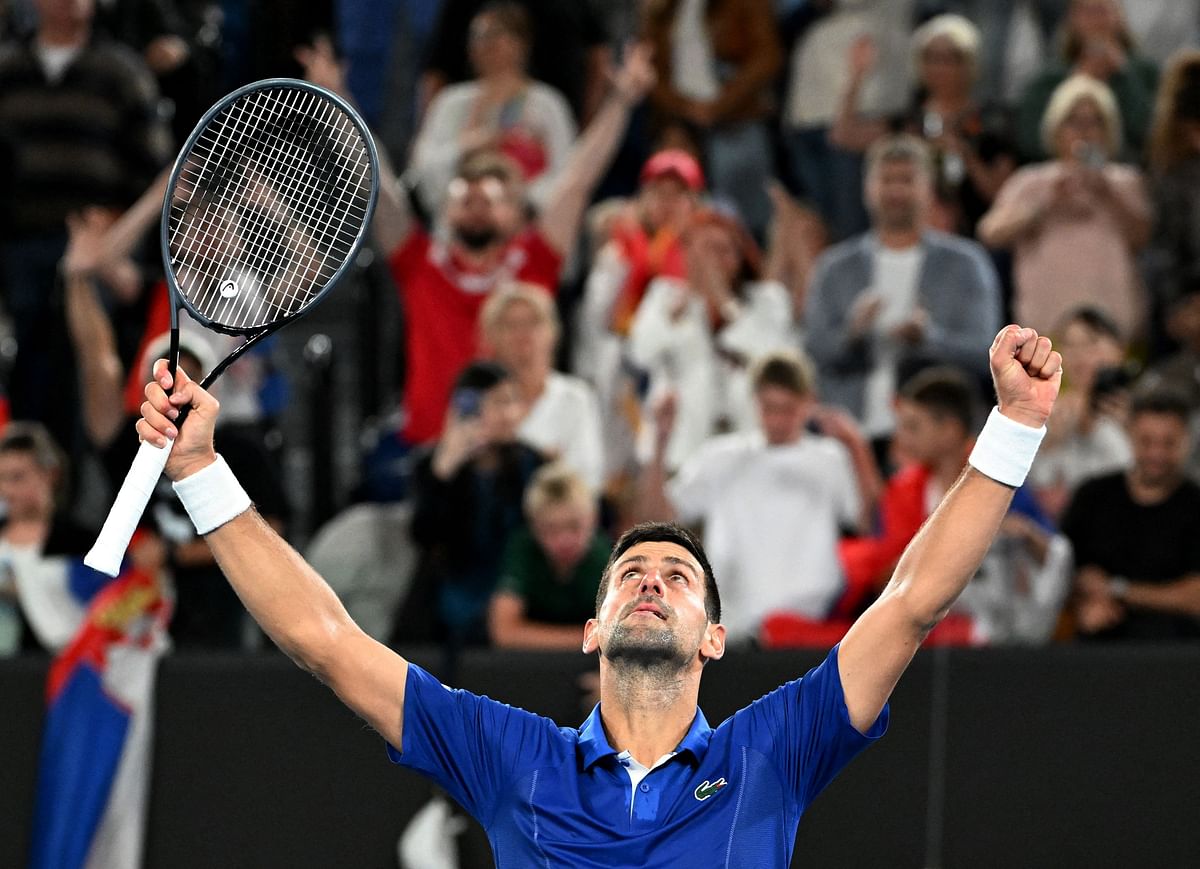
{"points": [[643, 644]]}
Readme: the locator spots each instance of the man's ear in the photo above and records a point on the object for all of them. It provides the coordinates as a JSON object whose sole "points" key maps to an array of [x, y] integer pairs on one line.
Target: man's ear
{"points": [[712, 647], [591, 637]]}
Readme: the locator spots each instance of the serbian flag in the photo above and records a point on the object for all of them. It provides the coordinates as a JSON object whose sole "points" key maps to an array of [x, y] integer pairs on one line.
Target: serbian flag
{"points": [[95, 759]]}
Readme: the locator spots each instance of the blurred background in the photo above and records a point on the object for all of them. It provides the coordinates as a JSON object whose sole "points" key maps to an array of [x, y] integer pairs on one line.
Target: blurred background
{"points": [[735, 263]]}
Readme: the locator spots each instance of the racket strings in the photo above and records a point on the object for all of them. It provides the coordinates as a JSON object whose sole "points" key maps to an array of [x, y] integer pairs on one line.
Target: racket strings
{"points": [[268, 205], [285, 154], [284, 157]]}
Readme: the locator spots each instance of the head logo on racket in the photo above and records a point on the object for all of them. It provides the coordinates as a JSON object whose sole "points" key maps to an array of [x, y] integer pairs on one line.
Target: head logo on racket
{"points": [[228, 290]]}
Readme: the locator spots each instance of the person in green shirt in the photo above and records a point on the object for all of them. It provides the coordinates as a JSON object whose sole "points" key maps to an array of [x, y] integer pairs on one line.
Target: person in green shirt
{"points": [[551, 570], [1096, 42]]}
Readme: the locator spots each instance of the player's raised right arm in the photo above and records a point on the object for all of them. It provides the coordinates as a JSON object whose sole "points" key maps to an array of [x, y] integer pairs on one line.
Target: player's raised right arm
{"points": [[291, 602]]}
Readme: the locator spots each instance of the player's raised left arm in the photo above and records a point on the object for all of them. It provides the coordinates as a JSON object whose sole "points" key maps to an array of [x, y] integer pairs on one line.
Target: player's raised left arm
{"points": [[946, 552]]}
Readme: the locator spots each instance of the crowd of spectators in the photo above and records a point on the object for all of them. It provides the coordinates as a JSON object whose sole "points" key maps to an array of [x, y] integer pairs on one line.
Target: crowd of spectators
{"points": [[733, 263]]}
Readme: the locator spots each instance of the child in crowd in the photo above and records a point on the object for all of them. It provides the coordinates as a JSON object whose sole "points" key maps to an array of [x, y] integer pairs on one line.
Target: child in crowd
{"points": [[551, 569]]}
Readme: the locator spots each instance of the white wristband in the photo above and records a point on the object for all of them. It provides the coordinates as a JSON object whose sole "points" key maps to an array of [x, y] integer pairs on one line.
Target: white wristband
{"points": [[1005, 449], [212, 496]]}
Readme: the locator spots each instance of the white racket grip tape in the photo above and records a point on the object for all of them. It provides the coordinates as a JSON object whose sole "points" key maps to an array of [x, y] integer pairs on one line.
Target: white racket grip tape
{"points": [[109, 548]]}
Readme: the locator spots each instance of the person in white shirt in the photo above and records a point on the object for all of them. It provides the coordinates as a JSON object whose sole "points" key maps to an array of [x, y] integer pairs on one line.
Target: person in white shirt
{"points": [[520, 329], [771, 498], [696, 337], [502, 109]]}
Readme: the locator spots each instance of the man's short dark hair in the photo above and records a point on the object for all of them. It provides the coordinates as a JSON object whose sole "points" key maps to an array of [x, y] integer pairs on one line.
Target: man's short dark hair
{"points": [[1096, 319], [1160, 401], [665, 532], [35, 440], [900, 148], [944, 392], [479, 165], [482, 375], [787, 369]]}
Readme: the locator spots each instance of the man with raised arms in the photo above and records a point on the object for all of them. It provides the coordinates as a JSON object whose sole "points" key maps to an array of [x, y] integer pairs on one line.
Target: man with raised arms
{"points": [[645, 781]]}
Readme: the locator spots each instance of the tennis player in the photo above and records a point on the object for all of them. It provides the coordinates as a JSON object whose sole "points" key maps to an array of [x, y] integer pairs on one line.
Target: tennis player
{"points": [[645, 781]]}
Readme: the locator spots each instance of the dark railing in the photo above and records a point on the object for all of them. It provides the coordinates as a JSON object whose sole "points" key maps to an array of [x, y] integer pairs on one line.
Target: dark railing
{"points": [[1055, 758]]}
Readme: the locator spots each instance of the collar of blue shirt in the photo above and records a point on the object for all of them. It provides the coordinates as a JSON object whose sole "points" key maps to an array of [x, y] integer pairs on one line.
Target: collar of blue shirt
{"points": [[593, 743]]}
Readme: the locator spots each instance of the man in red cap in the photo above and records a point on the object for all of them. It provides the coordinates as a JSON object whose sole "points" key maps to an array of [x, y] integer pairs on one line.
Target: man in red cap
{"points": [[670, 185], [642, 244]]}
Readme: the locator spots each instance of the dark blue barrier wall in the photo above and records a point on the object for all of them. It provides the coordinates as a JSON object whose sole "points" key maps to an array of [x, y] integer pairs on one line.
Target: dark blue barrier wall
{"points": [[1056, 758]]}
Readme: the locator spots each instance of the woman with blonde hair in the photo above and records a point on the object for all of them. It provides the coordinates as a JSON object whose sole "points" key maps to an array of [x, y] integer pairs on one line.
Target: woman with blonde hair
{"points": [[972, 144], [520, 328], [1096, 42], [1075, 222]]}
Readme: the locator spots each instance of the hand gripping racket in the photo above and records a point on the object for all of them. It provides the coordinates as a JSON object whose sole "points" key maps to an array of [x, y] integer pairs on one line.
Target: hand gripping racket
{"points": [[267, 204]]}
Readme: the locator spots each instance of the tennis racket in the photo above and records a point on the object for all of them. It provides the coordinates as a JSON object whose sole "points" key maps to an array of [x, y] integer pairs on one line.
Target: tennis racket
{"points": [[266, 206]]}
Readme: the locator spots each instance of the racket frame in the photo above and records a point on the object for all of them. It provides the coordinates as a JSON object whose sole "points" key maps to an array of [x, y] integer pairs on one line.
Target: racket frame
{"points": [[107, 553], [255, 334]]}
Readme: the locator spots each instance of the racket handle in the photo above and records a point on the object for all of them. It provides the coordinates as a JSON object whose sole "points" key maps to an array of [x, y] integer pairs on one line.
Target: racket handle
{"points": [[109, 548]]}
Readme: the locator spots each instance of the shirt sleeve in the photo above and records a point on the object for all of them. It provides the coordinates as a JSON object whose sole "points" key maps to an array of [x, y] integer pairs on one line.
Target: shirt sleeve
{"points": [[809, 729], [469, 744]]}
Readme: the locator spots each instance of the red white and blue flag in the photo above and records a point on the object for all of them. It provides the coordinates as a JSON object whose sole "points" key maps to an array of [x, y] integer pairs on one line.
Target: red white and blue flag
{"points": [[95, 759]]}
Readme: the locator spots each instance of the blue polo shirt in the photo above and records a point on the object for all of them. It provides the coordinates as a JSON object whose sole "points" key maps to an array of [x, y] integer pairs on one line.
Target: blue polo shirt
{"points": [[551, 796]]}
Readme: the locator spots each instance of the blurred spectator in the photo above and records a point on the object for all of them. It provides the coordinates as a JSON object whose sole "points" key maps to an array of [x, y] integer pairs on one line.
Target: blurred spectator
{"points": [[972, 145], [749, 489], [258, 38], [1175, 176], [1086, 432], [1020, 588], [1076, 221], [1096, 42], [40, 548], [366, 555], [208, 612], [716, 61], [79, 117], [569, 50], [552, 568], [830, 178], [1137, 535], [632, 243], [469, 491], [501, 109], [484, 240], [696, 337], [647, 238], [1180, 372], [1163, 27], [178, 40], [899, 297], [521, 328], [998, 22]]}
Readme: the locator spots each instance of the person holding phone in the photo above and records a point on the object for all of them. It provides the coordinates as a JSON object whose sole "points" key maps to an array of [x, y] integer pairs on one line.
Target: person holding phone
{"points": [[1075, 222], [469, 491], [1096, 42]]}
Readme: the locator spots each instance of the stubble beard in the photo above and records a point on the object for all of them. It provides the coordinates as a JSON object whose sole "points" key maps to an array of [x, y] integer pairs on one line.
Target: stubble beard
{"points": [[653, 650]]}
